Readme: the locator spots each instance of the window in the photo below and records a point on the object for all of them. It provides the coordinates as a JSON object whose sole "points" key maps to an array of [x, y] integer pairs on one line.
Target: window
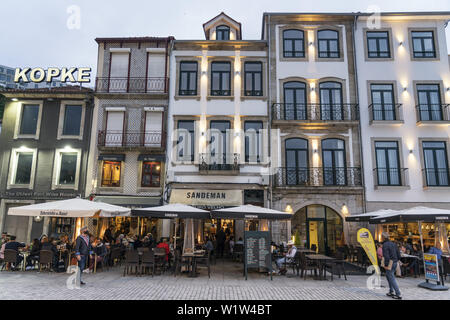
{"points": [[378, 44], [186, 140], [333, 159], [436, 163], [331, 107], [151, 173], [253, 79], [68, 169], [296, 161], [111, 174], [188, 78], [253, 131], [23, 168], [220, 79], [388, 163], [383, 107], [295, 100], [29, 121], [429, 108], [293, 44], [223, 33], [72, 120], [423, 44], [328, 44]]}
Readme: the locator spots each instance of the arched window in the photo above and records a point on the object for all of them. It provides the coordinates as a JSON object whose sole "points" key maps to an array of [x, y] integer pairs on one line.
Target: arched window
{"points": [[294, 100], [296, 161], [328, 43], [293, 43], [223, 32], [333, 162], [331, 107]]}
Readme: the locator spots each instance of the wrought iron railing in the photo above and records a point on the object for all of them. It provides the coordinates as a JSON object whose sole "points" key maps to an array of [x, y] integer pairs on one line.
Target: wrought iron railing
{"points": [[433, 112], [315, 111], [131, 85], [437, 177], [150, 139], [220, 93], [391, 177], [219, 162], [318, 177], [385, 112]]}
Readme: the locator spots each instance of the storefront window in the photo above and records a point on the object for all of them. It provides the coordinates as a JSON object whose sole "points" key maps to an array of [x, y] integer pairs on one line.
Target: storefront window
{"points": [[111, 174]]}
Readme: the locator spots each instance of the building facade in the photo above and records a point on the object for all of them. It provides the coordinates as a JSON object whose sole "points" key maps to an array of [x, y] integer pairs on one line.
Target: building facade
{"points": [[315, 146], [127, 159], [43, 155], [218, 124], [404, 91]]}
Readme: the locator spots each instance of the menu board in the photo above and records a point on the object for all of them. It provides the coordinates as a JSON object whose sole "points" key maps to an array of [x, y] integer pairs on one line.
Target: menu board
{"points": [[431, 267], [257, 252]]}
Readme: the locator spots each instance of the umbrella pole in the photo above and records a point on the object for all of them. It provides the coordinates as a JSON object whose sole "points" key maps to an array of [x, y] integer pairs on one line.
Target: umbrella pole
{"points": [[421, 236]]}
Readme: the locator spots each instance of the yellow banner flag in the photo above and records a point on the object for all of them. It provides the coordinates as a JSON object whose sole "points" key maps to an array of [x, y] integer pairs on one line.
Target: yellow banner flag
{"points": [[365, 239]]}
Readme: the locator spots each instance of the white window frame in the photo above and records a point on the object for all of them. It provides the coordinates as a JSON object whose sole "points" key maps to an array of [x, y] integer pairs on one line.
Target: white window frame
{"points": [[57, 169], [62, 112], [13, 168], [35, 136]]}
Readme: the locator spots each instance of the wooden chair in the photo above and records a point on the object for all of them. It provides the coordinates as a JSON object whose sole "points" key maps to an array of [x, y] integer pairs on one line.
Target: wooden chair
{"points": [[306, 265], [148, 261], [131, 260], [45, 259], [205, 261]]}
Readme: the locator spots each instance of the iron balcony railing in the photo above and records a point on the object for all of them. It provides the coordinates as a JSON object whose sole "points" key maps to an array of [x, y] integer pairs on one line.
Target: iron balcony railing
{"points": [[315, 111], [219, 162], [437, 177], [391, 177], [131, 85], [318, 177], [150, 139], [385, 112], [433, 112]]}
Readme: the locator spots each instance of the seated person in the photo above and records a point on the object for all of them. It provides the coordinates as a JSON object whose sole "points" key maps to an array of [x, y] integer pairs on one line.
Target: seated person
{"points": [[288, 258], [100, 251], [163, 244], [34, 254], [49, 246], [15, 245], [2, 249]]}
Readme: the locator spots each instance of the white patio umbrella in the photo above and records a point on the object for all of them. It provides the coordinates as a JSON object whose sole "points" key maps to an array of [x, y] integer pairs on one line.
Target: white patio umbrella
{"points": [[72, 208], [368, 215], [249, 211]]}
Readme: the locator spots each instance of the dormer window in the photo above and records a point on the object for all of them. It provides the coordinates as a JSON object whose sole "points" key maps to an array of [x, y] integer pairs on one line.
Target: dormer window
{"points": [[223, 33]]}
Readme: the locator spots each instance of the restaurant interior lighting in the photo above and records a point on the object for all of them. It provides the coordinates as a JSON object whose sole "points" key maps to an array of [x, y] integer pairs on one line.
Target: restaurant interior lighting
{"points": [[14, 99]]}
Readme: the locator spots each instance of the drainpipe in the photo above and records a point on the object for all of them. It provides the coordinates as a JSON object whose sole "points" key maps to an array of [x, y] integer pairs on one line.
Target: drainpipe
{"points": [[270, 115]]}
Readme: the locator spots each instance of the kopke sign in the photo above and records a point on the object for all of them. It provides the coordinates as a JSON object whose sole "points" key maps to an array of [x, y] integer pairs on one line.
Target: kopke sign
{"points": [[38, 75]]}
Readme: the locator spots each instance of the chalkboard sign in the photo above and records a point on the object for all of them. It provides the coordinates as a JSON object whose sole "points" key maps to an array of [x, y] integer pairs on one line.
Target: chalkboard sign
{"points": [[257, 253]]}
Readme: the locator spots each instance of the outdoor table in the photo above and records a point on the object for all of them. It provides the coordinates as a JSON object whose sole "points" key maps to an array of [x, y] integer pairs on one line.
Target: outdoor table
{"points": [[404, 255], [192, 263], [25, 254], [320, 258], [306, 250]]}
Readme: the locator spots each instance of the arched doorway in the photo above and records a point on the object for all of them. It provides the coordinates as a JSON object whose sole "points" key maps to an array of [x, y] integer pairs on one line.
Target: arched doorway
{"points": [[319, 225]]}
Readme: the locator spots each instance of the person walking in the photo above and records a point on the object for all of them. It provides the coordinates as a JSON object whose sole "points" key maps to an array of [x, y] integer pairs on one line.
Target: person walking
{"points": [[391, 257], [83, 248]]}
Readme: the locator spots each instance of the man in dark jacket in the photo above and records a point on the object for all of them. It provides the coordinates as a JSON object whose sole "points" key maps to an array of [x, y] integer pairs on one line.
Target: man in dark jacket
{"points": [[15, 245], [220, 238], [83, 248], [391, 255], [108, 236]]}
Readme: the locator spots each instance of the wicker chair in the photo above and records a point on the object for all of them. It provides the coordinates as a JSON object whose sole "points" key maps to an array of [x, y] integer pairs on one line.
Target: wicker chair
{"points": [[306, 265], [180, 262], [45, 259], [10, 259], [205, 261], [131, 260], [148, 261]]}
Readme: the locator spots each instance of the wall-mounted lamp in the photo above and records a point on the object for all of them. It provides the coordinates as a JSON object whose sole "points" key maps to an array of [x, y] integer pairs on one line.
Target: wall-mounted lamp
{"points": [[448, 89], [204, 73], [315, 150], [14, 99], [411, 151], [313, 89], [203, 133], [37, 219], [405, 89], [311, 43], [400, 43], [237, 73]]}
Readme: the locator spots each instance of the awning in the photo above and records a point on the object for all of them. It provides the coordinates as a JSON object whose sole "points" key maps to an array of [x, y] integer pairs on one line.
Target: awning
{"points": [[415, 214], [250, 212], [130, 202], [172, 211], [112, 157], [152, 157], [368, 215]]}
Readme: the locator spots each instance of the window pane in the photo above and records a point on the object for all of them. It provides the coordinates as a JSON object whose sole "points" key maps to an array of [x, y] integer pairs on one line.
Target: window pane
{"points": [[23, 171], [220, 66], [72, 120], [29, 121], [188, 66], [68, 168], [251, 66], [295, 34], [328, 34], [111, 174]]}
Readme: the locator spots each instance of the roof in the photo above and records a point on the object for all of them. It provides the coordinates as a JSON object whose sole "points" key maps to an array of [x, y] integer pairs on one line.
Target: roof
{"points": [[135, 39], [228, 17]]}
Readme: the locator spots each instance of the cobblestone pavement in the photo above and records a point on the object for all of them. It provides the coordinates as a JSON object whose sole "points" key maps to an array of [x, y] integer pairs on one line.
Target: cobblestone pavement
{"points": [[226, 283]]}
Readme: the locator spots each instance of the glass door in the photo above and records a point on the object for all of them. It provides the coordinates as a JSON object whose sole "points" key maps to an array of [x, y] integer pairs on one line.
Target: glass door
{"points": [[331, 101], [334, 168], [429, 102]]}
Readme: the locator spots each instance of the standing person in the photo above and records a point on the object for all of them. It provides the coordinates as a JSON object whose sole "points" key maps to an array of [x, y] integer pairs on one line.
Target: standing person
{"points": [[108, 235], [391, 257], [220, 238], [83, 248]]}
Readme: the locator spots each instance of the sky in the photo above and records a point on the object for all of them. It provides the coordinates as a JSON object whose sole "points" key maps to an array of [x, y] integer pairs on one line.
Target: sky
{"points": [[35, 33]]}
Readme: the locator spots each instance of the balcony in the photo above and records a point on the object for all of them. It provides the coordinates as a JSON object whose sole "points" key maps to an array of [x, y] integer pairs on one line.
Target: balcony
{"points": [[392, 177], [155, 85], [436, 177], [385, 113], [130, 139], [315, 112], [318, 177], [433, 113], [227, 163]]}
